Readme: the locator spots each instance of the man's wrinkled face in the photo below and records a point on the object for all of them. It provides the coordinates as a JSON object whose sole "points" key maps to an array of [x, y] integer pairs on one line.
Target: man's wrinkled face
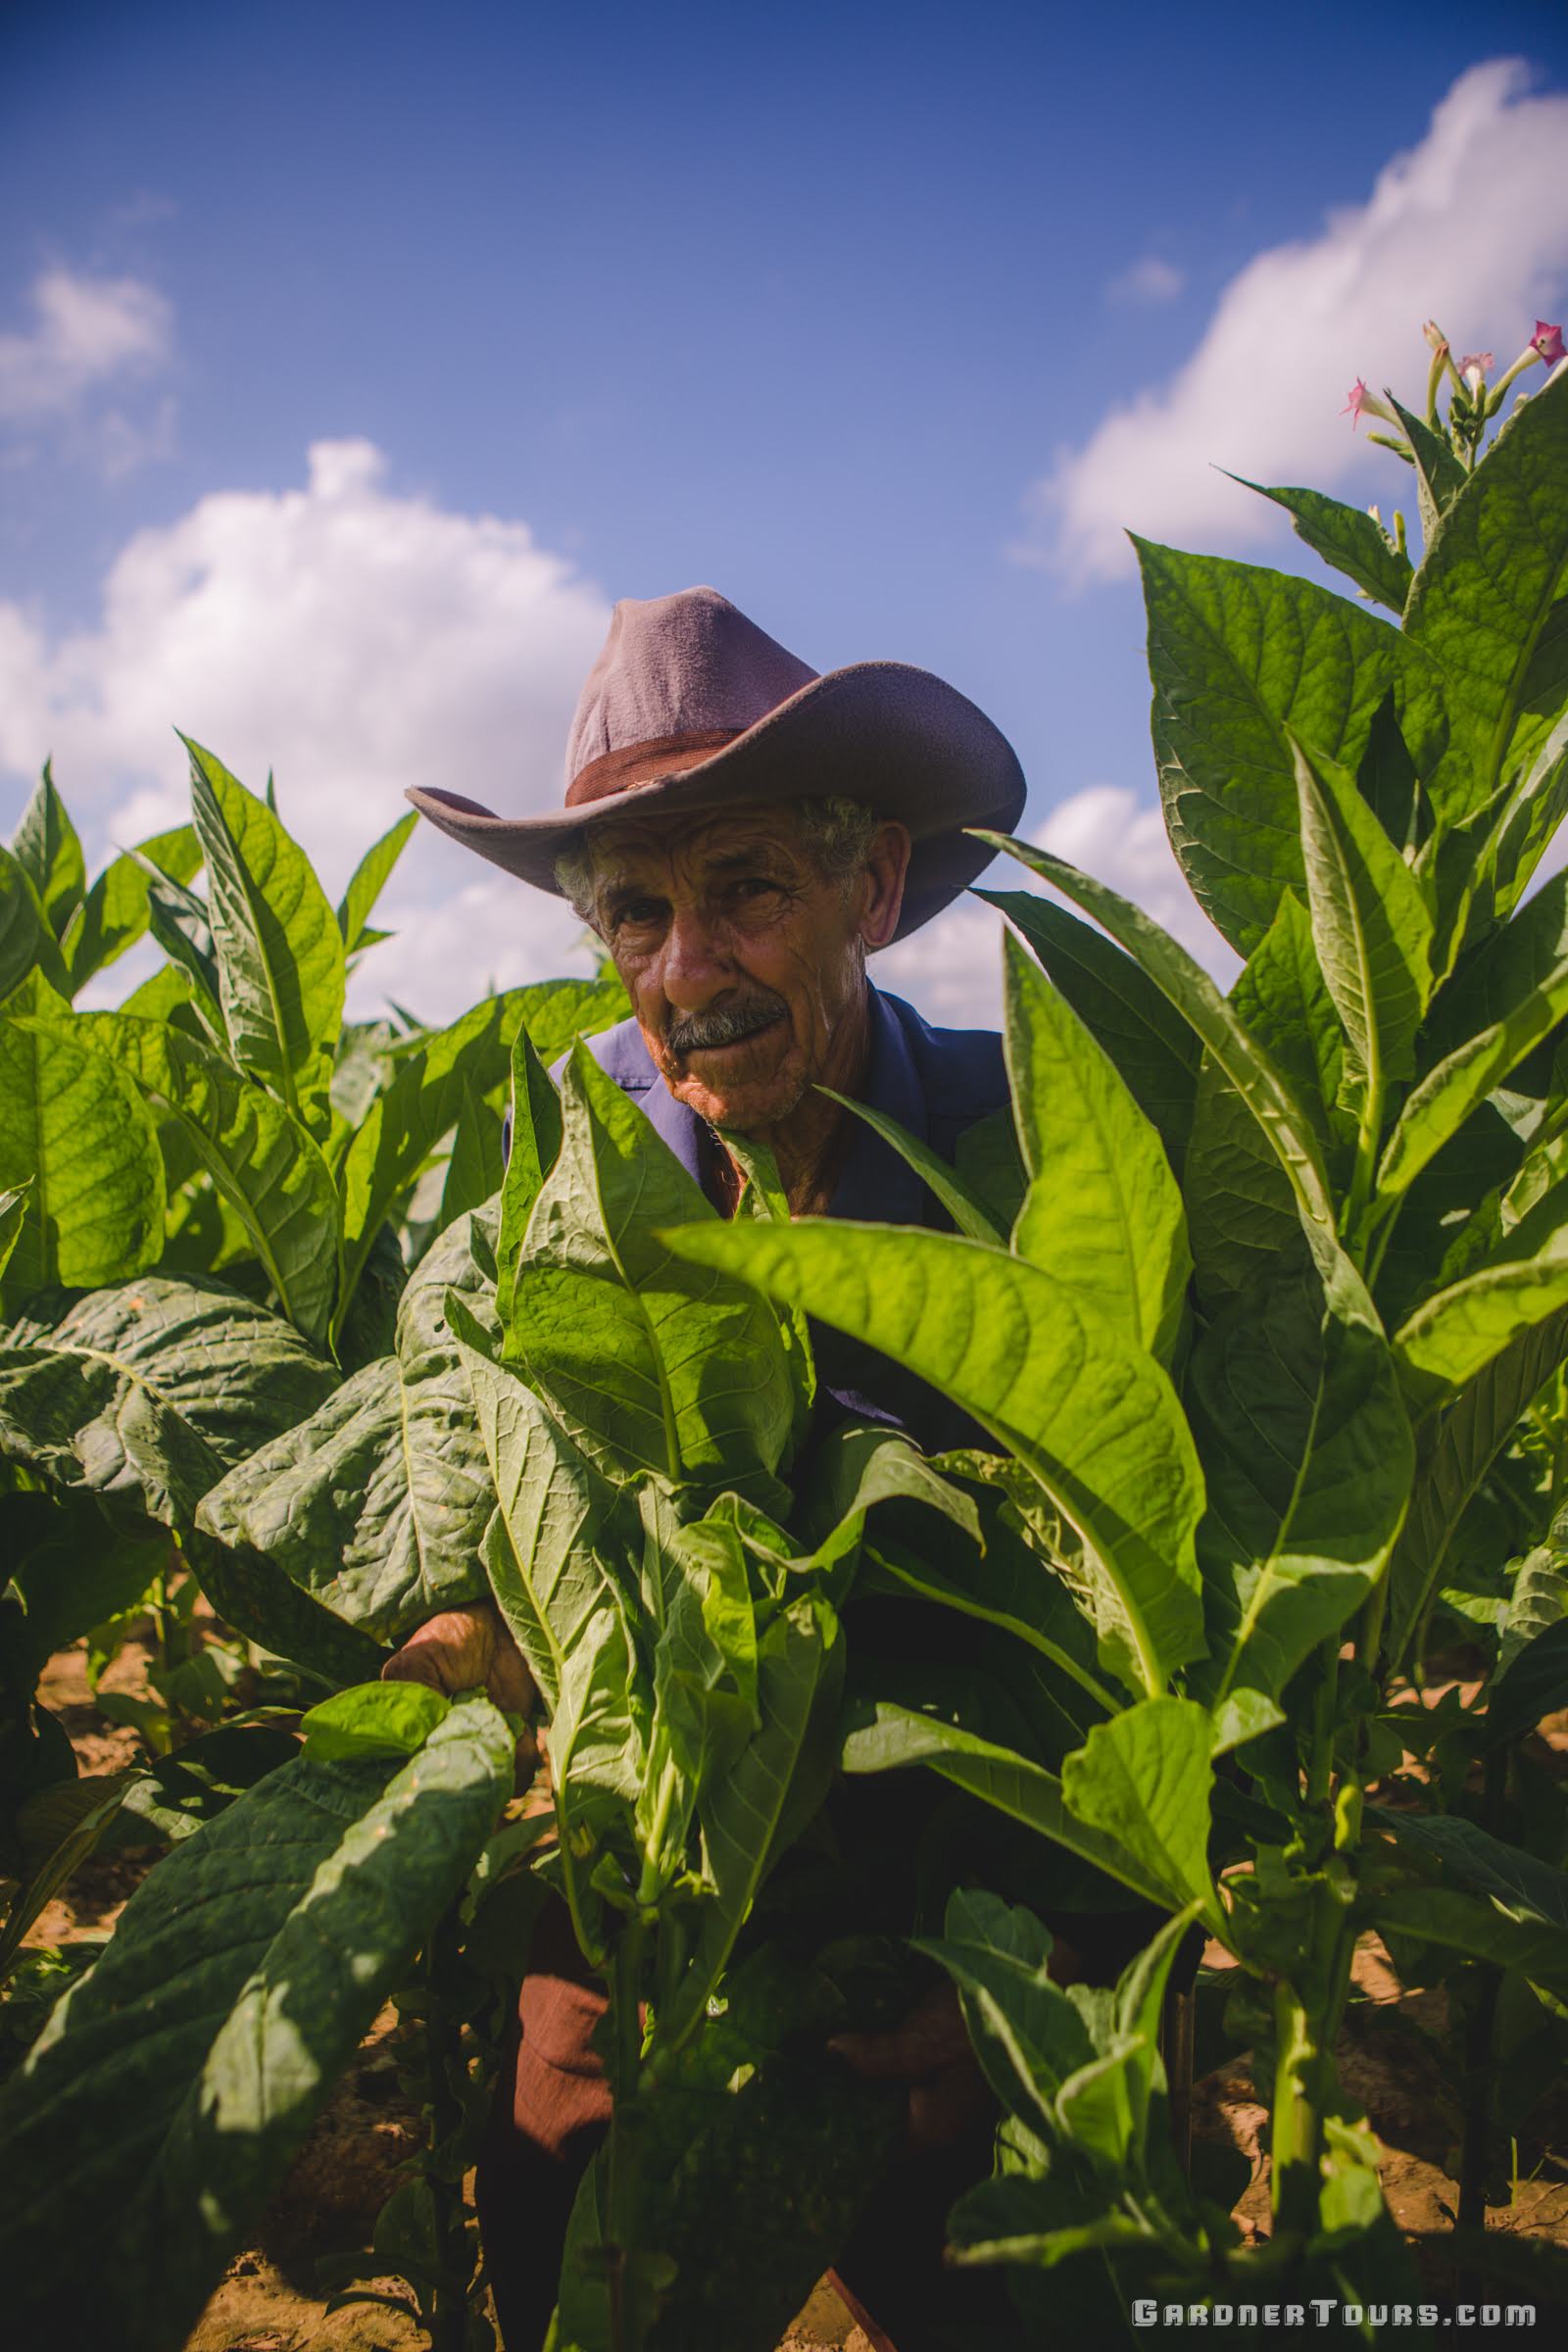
{"points": [[743, 960]]}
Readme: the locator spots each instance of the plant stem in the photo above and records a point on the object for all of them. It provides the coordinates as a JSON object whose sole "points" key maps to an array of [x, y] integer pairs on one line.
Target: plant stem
{"points": [[1296, 2123], [1304, 2071], [1180, 2016], [624, 2161], [443, 2043], [1478, 2033], [1320, 1770], [1480, 2027]]}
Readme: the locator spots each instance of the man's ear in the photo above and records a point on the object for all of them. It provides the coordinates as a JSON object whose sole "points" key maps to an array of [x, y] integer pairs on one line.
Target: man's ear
{"points": [[882, 885]]}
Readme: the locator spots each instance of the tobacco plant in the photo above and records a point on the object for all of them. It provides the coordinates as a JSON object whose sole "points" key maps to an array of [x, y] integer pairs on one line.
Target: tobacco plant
{"points": [[1273, 1345], [222, 1209], [1261, 1297]]}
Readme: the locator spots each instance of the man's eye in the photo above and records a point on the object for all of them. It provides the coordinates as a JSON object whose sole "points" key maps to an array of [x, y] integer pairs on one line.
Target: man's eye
{"points": [[752, 886], [638, 914]]}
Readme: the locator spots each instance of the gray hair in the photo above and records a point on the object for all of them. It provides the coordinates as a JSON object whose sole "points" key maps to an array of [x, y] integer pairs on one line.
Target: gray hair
{"points": [[838, 833]]}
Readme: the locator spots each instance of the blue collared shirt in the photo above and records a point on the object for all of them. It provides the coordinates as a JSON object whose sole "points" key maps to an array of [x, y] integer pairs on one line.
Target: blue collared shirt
{"points": [[935, 1082]]}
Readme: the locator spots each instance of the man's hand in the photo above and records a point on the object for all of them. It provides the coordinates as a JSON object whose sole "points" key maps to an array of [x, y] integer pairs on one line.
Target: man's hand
{"points": [[929, 2049], [468, 1649]]}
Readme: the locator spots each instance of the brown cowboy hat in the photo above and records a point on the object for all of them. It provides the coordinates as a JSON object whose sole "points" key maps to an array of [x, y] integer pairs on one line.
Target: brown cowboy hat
{"points": [[691, 706]]}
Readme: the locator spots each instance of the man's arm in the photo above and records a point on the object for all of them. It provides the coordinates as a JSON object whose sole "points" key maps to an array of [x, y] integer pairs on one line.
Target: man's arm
{"points": [[470, 1649]]}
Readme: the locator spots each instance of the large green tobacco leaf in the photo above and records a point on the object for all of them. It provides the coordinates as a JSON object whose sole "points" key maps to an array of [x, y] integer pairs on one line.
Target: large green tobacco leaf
{"points": [[1283, 1001], [1348, 538], [1094, 1418], [559, 1555], [1145, 1780], [1520, 959], [1475, 1930], [475, 1167], [1241, 1213], [378, 1502], [1242, 658], [1435, 1111], [1484, 598], [1083, 2062], [261, 1158], [1369, 920], [279, 949], [1460, 1450], [1308, 1459], [152, 1388], [11, 1205], [856, 1467], [72, 1568], [1243, 1219], [1193, 994], [1031, 2039], [434, 1076], [886, 1735], [77, 1127], [116, 912], [370, 878], [772, 1789], [1534, 1682], [1480, 870], [1103, 1214], [1451, 1217], [536, 1132], [25, 939], [969, 1214], [561, 1525], [1455, 1333], [169, 2091], [1538, 1601], [1002, 1581], [1386, 781], [181, 924], [46, 847], [1145, 1034], [650, 1362], [1525, 1886]]}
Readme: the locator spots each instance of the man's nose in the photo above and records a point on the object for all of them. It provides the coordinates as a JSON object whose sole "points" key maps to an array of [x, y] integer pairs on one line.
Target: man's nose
{"points": [[695, 964]]}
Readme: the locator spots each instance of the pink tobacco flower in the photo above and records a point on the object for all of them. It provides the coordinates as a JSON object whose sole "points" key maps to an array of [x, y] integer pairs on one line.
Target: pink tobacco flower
{"points": [[1361, 403], [1547, 341], [1484, 359]]}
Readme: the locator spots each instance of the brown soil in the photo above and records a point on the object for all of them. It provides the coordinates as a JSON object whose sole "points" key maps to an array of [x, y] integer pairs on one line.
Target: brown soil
{"points": [[271, 2301]]}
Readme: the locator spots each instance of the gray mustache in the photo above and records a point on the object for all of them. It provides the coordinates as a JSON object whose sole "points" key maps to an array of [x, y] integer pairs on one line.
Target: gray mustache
{"points": [[723, 1024]]}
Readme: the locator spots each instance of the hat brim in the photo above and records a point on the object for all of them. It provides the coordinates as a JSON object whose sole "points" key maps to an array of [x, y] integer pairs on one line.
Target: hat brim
{"points": [[894, 737]]}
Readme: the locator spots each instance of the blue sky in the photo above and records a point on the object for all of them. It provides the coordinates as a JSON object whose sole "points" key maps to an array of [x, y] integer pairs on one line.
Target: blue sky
{"points": [[884, 322]]}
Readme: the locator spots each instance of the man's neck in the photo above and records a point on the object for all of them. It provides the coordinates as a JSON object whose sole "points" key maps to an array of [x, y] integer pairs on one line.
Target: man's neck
{"points": [[808, 1145]]}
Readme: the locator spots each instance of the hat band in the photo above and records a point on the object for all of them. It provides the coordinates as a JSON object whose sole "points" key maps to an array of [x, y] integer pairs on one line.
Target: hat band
{"points": [[640, 764]]}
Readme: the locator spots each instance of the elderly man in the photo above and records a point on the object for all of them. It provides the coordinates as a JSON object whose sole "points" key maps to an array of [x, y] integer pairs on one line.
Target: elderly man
{"points": [[742, 834]]}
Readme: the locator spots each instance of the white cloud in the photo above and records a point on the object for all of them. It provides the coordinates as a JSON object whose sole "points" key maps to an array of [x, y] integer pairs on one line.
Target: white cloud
{"points": [[1149, 279], [951, 969], [1468, 227], [87, 330], [355, 640]]}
